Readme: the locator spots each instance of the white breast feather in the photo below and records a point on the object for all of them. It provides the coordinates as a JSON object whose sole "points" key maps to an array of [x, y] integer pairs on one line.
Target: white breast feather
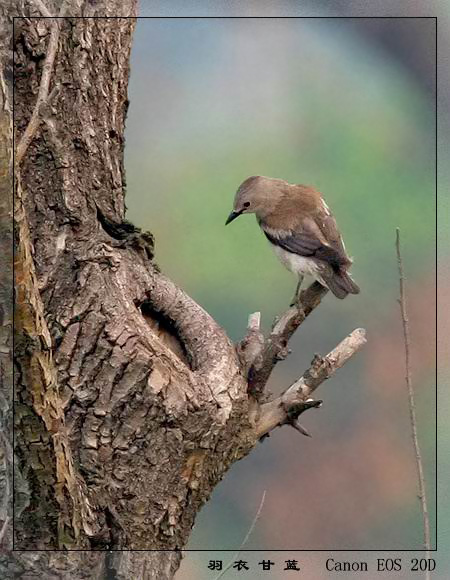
{"points": [[297, 264]]}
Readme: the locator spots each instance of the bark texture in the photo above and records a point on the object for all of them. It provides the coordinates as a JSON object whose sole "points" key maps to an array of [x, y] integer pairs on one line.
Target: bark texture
{"points": [[131, 403], [6, 281]]}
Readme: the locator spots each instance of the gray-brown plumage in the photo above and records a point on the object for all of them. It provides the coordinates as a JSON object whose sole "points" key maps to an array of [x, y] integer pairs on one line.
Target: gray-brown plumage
{"points": [[301, 229]]}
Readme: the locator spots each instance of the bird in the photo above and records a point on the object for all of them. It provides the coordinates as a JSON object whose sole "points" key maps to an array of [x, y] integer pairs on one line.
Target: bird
{"points": [[300, 228]]}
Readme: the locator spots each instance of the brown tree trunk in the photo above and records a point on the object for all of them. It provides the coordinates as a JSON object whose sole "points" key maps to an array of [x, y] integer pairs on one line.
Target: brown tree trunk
{"points": [[129, 398], [130, 401]]}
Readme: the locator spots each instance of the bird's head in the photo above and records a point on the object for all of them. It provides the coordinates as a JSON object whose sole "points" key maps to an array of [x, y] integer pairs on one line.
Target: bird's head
{"points": [[258, 195]]}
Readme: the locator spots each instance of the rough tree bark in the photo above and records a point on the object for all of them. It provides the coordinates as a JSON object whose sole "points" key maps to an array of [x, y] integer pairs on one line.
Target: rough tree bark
{"points": [[131, 403]]}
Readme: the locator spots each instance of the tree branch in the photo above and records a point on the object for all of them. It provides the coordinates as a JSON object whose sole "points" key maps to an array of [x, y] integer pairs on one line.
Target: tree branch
{"points": [[208, 347], [47, 70], [412, 405], [275, 347], [251, 347], [279, 411]]}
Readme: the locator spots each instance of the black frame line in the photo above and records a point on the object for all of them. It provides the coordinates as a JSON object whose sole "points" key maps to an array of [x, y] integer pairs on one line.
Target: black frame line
{"points": [[435, 18]]}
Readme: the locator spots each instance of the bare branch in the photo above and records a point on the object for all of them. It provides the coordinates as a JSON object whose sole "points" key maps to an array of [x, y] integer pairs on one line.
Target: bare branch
{"points": [[293, 412], [412, 405], [254, 322], [275, 348], [208, 347], [276, 412], [251, 347], [245, 540], [42, 98]]}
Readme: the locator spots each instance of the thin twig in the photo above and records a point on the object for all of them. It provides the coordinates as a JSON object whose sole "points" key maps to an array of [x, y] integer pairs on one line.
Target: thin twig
{"points": [[245, 540], [412, 405], [44, 85]]}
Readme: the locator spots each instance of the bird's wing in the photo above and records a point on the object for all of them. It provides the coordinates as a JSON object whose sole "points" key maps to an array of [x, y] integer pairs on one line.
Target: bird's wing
{"points": [[308, 240], [329, 231]]}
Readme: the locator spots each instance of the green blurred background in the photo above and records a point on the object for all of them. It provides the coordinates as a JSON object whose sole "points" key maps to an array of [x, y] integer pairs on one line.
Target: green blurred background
{"points": [[346, 105]]}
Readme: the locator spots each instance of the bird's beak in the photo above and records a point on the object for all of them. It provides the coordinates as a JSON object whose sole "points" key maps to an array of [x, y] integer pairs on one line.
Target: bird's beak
{"points": [[233, 215]]}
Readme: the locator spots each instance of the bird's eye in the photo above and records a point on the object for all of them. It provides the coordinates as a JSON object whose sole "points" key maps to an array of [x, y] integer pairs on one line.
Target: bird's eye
{"points": [[247, 204]]}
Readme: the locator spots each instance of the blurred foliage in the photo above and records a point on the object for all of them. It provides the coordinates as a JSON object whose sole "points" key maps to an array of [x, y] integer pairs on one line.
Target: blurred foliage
{"points": [[213, 102]]}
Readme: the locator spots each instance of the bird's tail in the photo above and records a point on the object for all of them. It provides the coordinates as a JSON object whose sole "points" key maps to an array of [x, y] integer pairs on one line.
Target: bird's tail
{"points": [[340, 284]]}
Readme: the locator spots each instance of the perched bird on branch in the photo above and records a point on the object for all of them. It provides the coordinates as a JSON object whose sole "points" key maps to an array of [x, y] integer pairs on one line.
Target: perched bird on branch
{"points": [[300, 228]]}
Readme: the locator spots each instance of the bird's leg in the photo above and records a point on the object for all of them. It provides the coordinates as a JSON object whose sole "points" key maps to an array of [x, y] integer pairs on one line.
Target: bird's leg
{"points": [[297, 291]]}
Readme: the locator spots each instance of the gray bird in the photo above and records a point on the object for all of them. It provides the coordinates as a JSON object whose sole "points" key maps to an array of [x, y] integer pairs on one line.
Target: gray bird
{"points": [[300, 228]]}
